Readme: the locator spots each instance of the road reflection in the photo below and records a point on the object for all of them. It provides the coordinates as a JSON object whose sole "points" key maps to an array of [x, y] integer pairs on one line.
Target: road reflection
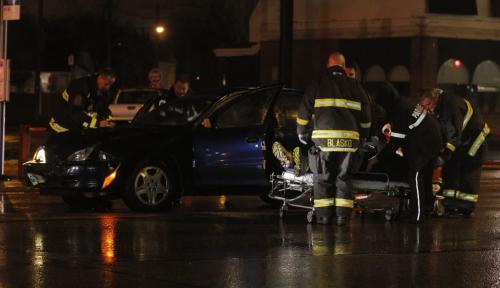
{"points": [[108, 235]]}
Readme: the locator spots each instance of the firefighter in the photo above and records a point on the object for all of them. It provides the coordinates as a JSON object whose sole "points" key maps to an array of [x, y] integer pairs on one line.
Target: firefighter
{"points": [[341, 121], [415, 136], [465, 133], [84, 104]]}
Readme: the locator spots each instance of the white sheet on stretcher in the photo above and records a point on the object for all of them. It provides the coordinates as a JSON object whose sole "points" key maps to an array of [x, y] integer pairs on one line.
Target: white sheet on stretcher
{"points": [[358, 184]]}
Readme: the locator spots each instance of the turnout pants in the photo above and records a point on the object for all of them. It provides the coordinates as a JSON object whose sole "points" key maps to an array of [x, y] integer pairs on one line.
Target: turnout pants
{"points": [[421, 198], [461, 178], [332, 183]]}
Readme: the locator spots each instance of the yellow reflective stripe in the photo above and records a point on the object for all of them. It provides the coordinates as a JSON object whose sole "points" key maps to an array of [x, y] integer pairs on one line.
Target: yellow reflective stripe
{"points": [[65, 96], [326, 202], [449, 193], [468, 115], [56, 127], [479, 140], [341, 202], [337, 102], [323, 134], [85, 125], [467, 197], [93, 122], [460, 195], [451, 147], [335, 149], [110, 118], [302, 122], [366, 125]]}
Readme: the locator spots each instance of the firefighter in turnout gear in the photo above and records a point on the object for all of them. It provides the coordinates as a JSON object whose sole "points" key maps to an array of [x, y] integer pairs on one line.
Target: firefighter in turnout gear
{"points": [[84, 104], [416, 136], [463, 153], [335, 114]]}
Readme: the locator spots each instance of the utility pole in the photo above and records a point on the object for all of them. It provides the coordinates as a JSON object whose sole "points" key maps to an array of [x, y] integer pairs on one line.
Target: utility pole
{"points": [[3, 48], [109, 31], [39, 38], [286, 42]]}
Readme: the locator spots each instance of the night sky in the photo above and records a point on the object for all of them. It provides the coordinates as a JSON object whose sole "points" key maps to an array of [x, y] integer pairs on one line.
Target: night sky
{"points": [[194, 29]]}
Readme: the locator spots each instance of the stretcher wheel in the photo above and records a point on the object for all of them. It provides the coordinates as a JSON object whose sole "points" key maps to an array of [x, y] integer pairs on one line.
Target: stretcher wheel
{"points": [[310, 216], [390, 214], [439, 209]]}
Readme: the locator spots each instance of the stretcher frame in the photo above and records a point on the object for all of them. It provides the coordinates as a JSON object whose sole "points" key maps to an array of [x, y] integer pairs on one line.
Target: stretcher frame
{"points": [[284, 188]]}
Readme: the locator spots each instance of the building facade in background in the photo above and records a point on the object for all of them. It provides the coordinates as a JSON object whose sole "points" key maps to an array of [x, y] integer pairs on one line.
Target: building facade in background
{"points": [[413, 43]]}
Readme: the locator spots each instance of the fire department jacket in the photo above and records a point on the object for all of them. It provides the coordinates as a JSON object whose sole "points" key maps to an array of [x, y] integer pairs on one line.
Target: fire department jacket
{"points": [[337, 111], [462, 125], [415, 131], [81, 106]]}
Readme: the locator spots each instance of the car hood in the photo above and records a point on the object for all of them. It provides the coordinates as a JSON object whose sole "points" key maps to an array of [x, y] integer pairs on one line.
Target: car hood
{"points": [[117, 141]]}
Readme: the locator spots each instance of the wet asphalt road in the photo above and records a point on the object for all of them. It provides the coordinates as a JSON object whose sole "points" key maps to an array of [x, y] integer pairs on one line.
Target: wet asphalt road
{"points": [[218, 241]]}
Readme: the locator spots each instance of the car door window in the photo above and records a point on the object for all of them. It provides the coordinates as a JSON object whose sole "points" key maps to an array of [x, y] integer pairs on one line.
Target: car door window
{"points": [[286, 109], [245, 111]]}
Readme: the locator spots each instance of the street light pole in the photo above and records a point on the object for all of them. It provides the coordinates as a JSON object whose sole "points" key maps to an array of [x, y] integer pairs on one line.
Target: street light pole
{"points": [[286, 42], [38, 92], [109, 30], [3, 54]]}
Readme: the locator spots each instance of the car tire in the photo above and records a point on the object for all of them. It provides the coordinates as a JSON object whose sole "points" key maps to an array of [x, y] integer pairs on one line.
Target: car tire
{"points": [[150, 187]]}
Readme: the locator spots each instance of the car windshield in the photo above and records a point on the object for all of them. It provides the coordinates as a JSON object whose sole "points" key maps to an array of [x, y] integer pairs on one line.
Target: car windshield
{"points": [[175, 112], [135, 96]]}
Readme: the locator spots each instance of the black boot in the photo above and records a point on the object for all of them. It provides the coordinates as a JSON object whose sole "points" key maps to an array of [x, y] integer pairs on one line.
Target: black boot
{"points": [[325, 220], [342, 220]]}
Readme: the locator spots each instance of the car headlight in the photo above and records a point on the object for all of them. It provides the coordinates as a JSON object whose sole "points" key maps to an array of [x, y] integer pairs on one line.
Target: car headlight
{"points": [[80, 155], [40, 156]]}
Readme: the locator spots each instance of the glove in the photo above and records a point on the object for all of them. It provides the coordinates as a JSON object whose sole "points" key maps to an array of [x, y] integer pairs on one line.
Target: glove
{"points": [[303, 139], [439, 161]]}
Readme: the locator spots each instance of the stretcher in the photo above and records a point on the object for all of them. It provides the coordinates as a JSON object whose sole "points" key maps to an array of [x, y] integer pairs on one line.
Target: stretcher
{"points": [[297, 191]]}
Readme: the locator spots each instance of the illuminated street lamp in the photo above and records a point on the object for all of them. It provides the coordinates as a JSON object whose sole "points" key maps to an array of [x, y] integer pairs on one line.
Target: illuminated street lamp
{"points": [[159, 29]]}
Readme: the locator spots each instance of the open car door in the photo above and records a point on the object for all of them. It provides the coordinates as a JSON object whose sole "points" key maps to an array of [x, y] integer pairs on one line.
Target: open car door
{"points": [[228, 146]]}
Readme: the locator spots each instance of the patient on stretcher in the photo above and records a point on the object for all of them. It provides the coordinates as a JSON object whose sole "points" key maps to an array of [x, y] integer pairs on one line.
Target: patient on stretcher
{"points": [[297, 160]]}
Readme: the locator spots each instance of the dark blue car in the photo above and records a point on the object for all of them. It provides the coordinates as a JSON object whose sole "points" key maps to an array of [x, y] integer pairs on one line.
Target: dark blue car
{"points": [[202, 144]]}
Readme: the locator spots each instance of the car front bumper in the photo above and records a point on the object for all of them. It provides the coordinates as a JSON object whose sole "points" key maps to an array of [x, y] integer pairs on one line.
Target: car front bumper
{"points": [[68, 179]]}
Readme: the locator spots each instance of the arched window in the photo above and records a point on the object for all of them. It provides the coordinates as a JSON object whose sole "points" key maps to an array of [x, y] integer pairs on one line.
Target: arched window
{"points": [[399, 74], [486, 79], [453, 71], [375, 74]]}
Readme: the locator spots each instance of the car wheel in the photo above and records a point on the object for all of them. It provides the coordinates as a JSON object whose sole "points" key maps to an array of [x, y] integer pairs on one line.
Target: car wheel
{"points": [[149, 187]]}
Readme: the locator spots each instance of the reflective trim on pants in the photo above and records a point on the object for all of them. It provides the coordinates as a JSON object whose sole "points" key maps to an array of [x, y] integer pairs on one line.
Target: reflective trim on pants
{"points": [[326, 202], [338, 202], [346, 203]]}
